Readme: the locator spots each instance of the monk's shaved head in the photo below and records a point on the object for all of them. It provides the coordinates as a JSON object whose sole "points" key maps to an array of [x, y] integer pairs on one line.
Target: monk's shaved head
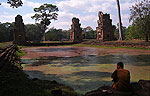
{"points": [[120, 64]]}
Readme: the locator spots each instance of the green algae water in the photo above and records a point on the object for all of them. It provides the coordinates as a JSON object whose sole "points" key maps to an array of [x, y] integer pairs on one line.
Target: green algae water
{"points": [[87, 72]]}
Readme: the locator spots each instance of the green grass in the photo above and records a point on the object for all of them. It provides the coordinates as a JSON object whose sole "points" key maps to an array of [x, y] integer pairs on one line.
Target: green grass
{"points": [[112, 47], [5, 44], [20, 52]]}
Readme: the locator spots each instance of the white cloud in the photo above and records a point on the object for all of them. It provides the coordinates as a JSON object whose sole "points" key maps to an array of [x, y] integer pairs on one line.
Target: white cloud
{"points": [[85, 10], [86, 5], [7, 18], [65, 15], [31, 4], [68, 5], [114, 19], [125, 19], [11, 18], [27, 18], [89, 18], [64, 20], [5, 5], [105, 7], [126, 6], [61, 25]]}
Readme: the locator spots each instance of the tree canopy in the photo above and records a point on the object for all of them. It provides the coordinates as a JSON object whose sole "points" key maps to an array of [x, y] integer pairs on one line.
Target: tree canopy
{"points": [[89, 33], [140, 15], [6, 32], [44, 14], [14, 3], [33, 32]]}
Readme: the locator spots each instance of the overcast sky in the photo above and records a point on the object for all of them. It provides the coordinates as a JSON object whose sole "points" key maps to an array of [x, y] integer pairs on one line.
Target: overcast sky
{"points": [[85, 10]]}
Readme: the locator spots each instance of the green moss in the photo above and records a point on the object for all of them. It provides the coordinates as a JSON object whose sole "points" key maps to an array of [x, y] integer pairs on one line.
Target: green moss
{"points": [[20, 52], [112, 47]]}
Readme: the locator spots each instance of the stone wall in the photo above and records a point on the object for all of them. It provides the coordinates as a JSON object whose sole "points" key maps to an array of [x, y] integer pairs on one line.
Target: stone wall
{"points": [[105, 30], [8, 56], [76, 31]]}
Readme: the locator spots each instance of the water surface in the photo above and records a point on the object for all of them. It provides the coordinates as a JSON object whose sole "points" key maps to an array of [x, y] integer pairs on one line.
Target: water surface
{"points": [[82, 71]]}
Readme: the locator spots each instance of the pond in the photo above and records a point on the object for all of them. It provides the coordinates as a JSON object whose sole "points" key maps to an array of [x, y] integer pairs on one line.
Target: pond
{"points": [[84, 68]]}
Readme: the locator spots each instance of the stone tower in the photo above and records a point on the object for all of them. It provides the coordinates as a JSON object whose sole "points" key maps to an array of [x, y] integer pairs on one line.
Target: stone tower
{"points": [[19, 31], [76, 31], [105, 30]]}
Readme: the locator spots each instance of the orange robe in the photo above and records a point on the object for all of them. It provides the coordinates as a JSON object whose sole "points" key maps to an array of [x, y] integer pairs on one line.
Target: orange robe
{"points": [[122, 80]]}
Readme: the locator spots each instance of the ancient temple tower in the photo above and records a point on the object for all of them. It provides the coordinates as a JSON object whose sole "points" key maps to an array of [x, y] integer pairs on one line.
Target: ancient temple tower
{"points": [[76, 31], [19, 31], [105, 30]]}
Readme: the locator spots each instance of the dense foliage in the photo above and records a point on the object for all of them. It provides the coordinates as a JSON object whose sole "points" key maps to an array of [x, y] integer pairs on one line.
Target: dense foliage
{"points": [[33, 32], [116, 32], [140, 15], [14, 3], [54, 34], [89, 33], [133, 33], [6, 32]]}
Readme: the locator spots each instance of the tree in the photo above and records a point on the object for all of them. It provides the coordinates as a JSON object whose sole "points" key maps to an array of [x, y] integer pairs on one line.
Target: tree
{"points": [[6, 32], [140, 15], [120, 24], [14, 3], [116, 33], [44, 14], [33, 32], [89, 33], [132, 33], [54, 34]]}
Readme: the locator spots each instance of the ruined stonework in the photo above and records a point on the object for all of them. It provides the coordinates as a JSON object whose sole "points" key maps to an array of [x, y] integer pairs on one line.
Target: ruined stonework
{"points": [[19, 31], [76, 31], [105, 30]]}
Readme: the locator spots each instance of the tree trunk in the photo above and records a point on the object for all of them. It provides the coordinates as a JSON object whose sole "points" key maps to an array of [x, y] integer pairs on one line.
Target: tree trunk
{"points": [[146, 38], [44, 36], [120, 24], [147, 33]]}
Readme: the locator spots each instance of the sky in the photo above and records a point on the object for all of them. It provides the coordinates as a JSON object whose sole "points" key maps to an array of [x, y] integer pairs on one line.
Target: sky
{"points": [[85, 10]]}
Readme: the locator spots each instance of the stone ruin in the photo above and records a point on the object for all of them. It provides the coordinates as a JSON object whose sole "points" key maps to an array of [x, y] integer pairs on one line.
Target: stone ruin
{"points": [[19, 31], [105, 30], [76, 31]]}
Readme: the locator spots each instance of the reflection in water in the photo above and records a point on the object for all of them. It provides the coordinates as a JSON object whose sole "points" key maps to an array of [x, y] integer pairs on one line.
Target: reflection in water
{"points": [[88, 72]]}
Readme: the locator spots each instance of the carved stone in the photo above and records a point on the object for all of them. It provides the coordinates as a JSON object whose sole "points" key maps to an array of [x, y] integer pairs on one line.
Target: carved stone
{"points": [[76, 31], [105, 30], [19, 31]]}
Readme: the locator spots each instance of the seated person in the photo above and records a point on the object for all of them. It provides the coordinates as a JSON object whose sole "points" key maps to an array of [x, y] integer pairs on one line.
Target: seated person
{"points": [[121, 78]]}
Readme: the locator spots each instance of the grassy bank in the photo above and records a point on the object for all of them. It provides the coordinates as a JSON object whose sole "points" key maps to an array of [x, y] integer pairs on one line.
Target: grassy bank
{"points": [[102, 46], [5, 44]]}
